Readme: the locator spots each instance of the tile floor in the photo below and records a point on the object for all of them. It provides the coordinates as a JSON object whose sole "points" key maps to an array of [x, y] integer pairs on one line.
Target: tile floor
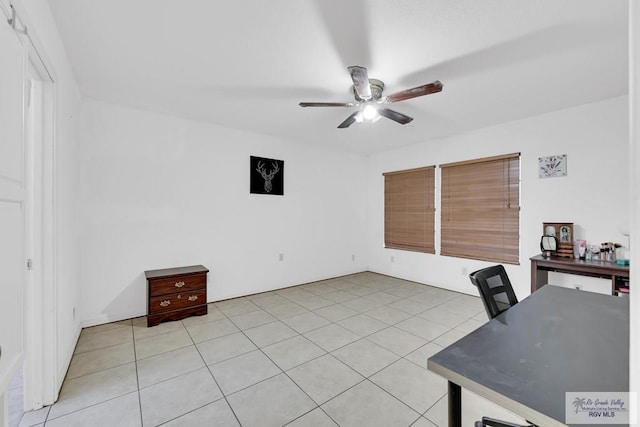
{"points": [[350, 351]]}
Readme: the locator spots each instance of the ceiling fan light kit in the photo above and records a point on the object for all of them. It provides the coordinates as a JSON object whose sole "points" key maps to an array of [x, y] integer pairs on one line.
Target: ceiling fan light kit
{"points": [[368, 95]]}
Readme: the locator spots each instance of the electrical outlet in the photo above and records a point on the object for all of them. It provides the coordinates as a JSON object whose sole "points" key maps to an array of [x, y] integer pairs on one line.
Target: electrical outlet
{"points": [[392, 258], [280, 257], [73, 313], [353, 257], [578, 287], [464, 271]]}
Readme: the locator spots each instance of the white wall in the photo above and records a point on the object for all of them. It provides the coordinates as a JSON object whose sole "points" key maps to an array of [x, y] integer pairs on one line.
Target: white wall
{"points": [[159, 191], [594, 195]]}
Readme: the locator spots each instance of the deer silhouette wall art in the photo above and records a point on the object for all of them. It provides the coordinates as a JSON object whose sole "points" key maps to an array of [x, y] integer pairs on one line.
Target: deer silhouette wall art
{"points": [[267, 179]]}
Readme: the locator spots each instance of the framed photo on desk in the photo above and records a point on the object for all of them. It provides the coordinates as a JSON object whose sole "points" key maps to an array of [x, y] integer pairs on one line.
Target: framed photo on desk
{"points": [[563, 232]]}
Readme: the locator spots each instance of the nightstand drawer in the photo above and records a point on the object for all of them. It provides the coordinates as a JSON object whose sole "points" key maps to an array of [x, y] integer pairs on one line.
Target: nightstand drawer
{"points": [[164, 303], [177, 284], [176, 293]]}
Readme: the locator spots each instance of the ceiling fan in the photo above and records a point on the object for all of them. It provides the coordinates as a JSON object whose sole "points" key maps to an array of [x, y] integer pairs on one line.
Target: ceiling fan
{"points": [[368, 96]]}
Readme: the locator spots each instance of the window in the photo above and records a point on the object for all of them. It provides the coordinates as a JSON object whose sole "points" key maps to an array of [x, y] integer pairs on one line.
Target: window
{"points": [[481, 209], [409, 211]]}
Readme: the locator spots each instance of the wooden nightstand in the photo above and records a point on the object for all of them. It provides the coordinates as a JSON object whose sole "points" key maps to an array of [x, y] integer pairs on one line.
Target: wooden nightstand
{"points": [[176, 293]]}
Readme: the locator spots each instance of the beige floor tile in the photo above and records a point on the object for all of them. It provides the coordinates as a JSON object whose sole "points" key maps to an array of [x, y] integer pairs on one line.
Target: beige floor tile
{"points": [[365, 357], [162, 343], [315, 418], [108, 326], [335, 312], [339, 296], [383, 297], [411, 384], [141, 331], [212, 315], [403, 291], [108, 338], [293, 352], [331, 337], [470, 325], [223, 348], [361, 304], [362, 324], [171, 364], [306, 322], [210, 330], [389, 315], [421, 355], [175, 397], [287, 309], [270, 333], [236, 307], [410, 306], [368, 405], [87, 390], [314, 302], [474, 408], [216, 414], [396, 340], [449, 337], [422, 328], [252, 319], [273, 402], [423, 422], [122, 411], [269, 299], [102, 358], [443, 316], [243, 371], [37, 417], [462, 308], [324, 378]]}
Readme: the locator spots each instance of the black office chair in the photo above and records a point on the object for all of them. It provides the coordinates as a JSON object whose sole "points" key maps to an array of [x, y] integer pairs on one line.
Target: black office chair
{"points": [[490, 422], [497, 296], [495, 289]]}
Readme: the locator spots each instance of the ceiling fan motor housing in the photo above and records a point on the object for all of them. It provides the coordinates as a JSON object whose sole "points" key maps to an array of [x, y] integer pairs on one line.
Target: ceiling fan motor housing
{"points": [[377, 86]]}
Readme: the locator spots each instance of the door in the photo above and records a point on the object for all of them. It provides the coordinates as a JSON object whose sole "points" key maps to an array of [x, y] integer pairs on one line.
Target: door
{"points": [[12, 205]]}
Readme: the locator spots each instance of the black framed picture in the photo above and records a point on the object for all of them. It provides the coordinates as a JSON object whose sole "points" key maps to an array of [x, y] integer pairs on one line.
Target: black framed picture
{"points": [[266, 176]]}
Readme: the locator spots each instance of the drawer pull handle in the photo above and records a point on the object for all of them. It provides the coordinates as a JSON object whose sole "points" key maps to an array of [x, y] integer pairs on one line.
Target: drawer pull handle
{"points": [[165, 303], [179, 284], [193, 297]]}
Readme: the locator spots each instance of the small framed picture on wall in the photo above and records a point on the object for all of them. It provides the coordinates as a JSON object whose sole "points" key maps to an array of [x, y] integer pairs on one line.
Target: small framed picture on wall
{"points": [[266, 176]]}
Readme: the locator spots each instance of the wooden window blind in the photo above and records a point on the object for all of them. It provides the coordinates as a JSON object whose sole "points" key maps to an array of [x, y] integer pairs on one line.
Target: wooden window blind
{"points": [[409, 211], [481, 209]]}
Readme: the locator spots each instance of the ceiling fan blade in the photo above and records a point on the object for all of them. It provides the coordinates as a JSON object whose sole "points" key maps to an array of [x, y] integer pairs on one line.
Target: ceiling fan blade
{"points": [[395, 116], [327, 104], [360, 79], [350, 120], [415, 92]]}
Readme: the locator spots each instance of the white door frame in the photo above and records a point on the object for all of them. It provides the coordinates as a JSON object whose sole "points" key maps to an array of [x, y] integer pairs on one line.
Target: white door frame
{"points": [[41, 370], [40, 341], [40, 382]]}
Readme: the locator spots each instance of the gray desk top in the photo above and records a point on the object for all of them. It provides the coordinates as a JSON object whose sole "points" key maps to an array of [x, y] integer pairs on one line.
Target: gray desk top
{"points": [[554, 341]]}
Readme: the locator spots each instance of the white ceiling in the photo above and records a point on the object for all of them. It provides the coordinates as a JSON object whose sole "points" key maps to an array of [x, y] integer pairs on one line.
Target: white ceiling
{"points": [[246, 64]]}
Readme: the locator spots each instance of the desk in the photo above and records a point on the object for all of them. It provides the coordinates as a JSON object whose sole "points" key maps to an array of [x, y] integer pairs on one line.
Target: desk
{"points": [[554, 341], [608, 270]]}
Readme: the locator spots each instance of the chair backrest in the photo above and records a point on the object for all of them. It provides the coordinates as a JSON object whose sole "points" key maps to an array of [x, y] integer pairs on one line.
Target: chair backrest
{"points": [[495, 289]]}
